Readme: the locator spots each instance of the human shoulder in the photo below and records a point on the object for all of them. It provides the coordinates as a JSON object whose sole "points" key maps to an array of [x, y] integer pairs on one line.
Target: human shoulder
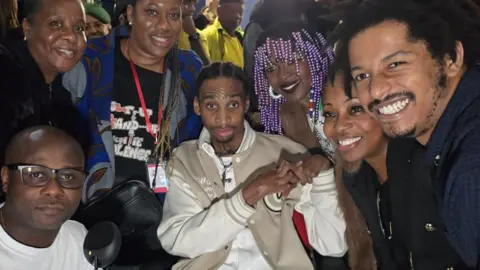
{"points": [[189, 60], [466, 143], [74, 229], [97, 47], [280, 142], [185, 150], [210, 31], [11, 68], [72, 236], [14, 78]]}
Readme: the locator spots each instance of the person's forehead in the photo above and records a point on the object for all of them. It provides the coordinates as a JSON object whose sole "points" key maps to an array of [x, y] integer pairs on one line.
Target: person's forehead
{"points": [[334, 92], [162, 3], [225, 86], [233, 5], [53, 155], [52, 6], [40, 143], [379, 41], [92, 19]]}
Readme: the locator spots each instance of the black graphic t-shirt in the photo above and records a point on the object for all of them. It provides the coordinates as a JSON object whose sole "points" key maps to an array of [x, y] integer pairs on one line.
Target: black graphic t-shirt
{"points": [[133, 143]]}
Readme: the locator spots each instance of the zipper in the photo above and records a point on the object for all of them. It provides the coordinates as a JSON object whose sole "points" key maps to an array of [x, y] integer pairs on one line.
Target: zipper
{"points": [[50, 96], [411, 261]]}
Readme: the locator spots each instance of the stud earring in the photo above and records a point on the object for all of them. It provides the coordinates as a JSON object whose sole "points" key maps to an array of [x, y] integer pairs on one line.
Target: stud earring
{"points": [[273, 94]]}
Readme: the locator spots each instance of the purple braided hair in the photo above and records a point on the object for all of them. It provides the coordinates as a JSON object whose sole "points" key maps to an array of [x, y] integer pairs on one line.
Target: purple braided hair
{"points": [[300, 45]]}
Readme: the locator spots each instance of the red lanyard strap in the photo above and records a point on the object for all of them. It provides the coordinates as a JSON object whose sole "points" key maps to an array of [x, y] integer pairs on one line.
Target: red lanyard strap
{"points": [[142, 101]]}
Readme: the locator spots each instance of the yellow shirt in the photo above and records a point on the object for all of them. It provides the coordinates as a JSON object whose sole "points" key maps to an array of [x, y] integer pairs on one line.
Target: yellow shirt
{"points": [[221, 46], [184, 43]]}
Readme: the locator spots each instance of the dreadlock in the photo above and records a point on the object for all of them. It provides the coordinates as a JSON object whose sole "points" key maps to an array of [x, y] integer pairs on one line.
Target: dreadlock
{"points": [[289, 42], [439, 23]]}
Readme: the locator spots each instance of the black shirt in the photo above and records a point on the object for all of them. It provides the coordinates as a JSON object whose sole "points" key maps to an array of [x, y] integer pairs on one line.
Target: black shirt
{"points": [[133, 143], [453, 156]]}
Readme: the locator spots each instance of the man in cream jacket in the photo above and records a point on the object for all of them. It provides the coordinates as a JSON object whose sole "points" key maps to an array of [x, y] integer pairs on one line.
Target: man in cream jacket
{"points": [[233, 191]]}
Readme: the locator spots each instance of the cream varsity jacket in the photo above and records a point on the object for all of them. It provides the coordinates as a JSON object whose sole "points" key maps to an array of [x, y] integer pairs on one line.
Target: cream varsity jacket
{"points": [[200, 220]]}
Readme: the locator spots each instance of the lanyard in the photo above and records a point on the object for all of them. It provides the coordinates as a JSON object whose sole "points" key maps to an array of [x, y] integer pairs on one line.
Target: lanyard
{"points": [[142, 101]]}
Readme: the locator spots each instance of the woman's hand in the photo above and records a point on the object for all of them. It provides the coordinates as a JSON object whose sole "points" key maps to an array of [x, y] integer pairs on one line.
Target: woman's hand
{"points": [[310, 167]]}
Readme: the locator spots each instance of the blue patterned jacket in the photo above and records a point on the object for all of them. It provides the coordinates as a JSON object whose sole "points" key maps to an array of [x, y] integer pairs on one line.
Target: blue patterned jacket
{"points": [[90, 84]]}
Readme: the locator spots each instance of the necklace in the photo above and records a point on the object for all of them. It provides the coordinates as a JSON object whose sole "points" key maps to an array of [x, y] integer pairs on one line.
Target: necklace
{"points": [[225, 169], [50, 95]]}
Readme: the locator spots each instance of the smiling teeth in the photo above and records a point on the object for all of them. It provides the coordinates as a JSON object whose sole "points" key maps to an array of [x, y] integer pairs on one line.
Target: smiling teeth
{"points": [[67, 52], [394, 108], [291, 86], [349, 141], [159, 39]]}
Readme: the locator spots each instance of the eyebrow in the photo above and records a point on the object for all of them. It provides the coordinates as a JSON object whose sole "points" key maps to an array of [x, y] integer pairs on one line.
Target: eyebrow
{"points": [[386, 58], [220, 96]]}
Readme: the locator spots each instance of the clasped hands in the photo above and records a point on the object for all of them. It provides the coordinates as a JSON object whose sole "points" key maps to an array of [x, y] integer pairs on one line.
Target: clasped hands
{"points": [[285, 178]]}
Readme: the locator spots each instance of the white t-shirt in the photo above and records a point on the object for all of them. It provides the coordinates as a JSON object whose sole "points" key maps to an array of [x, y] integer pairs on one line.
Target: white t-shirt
{"points": [[244, 254], [66, 252]]}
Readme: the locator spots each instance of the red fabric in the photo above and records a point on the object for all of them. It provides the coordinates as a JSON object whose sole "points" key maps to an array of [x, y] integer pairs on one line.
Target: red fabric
{"points": [[299, 222]]}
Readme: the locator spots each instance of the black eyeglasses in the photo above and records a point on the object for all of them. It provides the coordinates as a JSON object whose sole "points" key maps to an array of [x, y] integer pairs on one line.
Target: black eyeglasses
{"points": [[38, 176]]}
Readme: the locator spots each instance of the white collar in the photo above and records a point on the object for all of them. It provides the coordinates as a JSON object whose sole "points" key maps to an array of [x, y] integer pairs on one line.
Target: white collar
{"points": [[248, 139]]}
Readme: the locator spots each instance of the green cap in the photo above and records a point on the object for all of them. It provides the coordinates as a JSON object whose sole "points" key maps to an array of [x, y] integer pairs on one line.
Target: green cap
{"points": [[98, 12]]}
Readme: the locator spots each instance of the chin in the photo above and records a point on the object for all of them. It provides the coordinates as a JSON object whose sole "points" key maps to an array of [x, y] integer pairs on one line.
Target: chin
{"points": [[157, 52], [399, 131], [49, 224], [66, 66], [224, 139], [352, 156]]}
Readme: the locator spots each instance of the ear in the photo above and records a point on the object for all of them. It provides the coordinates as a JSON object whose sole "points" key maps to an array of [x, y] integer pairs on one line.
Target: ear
{"points": [[247, 105], [196, 105], [455, 68], [130, 14], [26, 28], [4, 173]]}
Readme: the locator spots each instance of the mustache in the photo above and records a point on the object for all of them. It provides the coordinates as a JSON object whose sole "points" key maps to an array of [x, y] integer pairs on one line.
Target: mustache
{"points": [[376, 102], [221, 128], [50, 202]]}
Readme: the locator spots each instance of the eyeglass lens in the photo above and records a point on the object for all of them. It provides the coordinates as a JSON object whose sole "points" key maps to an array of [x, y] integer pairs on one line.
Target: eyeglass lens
{"points": [[38, 176]]}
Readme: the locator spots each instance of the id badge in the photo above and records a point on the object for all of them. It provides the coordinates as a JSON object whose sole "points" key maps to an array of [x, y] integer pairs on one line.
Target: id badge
{"points": [[160, 185]]}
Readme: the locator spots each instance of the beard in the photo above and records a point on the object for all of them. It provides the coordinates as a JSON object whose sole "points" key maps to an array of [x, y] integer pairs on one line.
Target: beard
{"points": [[414, 130]]}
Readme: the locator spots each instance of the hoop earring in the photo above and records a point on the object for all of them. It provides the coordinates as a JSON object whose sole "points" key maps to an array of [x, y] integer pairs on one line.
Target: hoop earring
{"points": [[273, 94]]}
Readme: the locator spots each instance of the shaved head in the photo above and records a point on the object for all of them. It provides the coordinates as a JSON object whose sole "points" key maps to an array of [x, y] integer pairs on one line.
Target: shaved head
{"points": [[40, 210], [29, 140]]}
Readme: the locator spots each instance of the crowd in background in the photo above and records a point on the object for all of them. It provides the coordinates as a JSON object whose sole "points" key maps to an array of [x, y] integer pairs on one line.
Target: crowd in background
{"points": [[241, 134]]}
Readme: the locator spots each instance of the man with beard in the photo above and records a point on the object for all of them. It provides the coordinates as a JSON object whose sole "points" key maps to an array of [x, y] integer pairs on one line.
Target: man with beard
{"points": [[43, 179], [232, 192], [414, 65]]}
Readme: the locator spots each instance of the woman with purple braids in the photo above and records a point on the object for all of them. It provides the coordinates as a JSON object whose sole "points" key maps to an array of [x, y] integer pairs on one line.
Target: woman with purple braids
{"points": [[290, 70]]}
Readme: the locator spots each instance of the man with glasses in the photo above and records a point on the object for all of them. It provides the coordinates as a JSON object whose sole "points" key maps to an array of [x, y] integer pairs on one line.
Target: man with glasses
{"points": [[42, 179]]}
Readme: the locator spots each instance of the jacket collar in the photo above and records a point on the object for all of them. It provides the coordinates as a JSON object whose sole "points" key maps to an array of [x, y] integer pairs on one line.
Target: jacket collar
{"points": [[468, 90], [220, 28], [204, 141]]}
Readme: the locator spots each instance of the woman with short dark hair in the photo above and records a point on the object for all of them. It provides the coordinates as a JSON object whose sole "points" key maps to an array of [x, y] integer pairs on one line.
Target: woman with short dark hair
{"points": [[31, 90], [139, 88]]}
